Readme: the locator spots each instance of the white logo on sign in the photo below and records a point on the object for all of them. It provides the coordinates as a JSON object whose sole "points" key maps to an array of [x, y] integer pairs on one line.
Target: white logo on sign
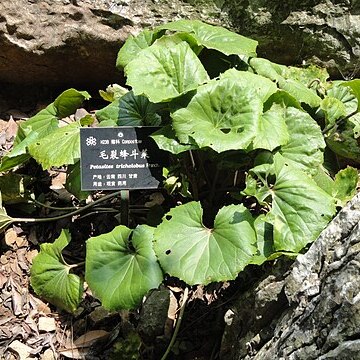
{"points": [[120, 134], [90, 141]]}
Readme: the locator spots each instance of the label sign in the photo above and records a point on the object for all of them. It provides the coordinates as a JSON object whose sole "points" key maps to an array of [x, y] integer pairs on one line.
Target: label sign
{"points": [[120, 158]]}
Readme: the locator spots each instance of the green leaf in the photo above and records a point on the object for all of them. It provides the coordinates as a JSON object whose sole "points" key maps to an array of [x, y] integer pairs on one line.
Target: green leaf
{"points": [[163, 73], [5, 220], [345, 184], [199, 255], [262, 86], [165, 139], [73, 182], [342, 142], [324, 180], [286, 80], [267, 68], [265, 242], [51, 277], [305, 147], [134, 44], [300, 210], [333, 109], [121, 266], [345, 95], [61, 147], [113, 92], [307, 75], [300, 92], [272, 130], [170, 40], [222, 115], [131, 110], [14, 187], [38, 126], [215, 37], [8, 163], [355, 120], [42, 124], [355, 87], [68, 101]]}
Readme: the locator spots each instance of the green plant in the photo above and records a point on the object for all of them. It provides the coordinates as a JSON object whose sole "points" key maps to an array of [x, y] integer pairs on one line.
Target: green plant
{"points": [[247, 138]]}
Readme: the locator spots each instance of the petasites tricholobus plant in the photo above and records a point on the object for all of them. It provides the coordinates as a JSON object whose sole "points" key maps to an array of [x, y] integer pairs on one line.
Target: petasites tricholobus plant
{"points": [[247, 139]]}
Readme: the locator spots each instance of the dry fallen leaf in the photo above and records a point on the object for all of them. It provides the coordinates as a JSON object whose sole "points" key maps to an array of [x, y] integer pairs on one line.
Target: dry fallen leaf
{"points": [[10, 237], [81, 345], [30, 255], [47, 355], [11, 129], [171, 316], [74, 353], [89, 338], [21, 349], [58, 180], [47, 324]]}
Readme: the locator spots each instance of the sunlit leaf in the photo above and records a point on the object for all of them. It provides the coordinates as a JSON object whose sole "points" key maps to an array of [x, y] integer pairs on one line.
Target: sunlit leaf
{"points": [[305, 147], [199, 255], [61, 147], [163, 73], [223, 115], [165, 139], [41, 125], [51, 277], [113, 92], [345, 184], [262, 86], [299, 209], [134, 44], [333, 109], [215, 37], [272, 130]]}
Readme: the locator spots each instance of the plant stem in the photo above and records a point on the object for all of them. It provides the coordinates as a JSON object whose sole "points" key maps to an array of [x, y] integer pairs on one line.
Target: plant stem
{"points": [[338, 122], [178, 323], [40, 204], [213, 186], [78, 211]]}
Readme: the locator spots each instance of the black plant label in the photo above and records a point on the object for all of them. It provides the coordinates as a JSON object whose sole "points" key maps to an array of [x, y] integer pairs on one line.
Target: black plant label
{"points": [[120, 158]]}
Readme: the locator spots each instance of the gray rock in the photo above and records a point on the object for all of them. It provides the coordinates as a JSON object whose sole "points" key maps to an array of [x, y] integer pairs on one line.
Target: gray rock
{"points": [[313, 312], [326, 32], [70, 42]]}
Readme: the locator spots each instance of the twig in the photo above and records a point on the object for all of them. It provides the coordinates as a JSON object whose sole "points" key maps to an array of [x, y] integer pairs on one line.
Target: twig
{"points": [[59, 217], [178, 323]]}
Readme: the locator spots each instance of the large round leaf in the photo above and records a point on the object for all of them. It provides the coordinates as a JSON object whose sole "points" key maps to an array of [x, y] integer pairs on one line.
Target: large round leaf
{"points": [[199, 255], [51, 278], [215, 37], [223, 115], [121, 271], [272, 131], [306, 144], [262, 85], [164, 72], [300, 209]]}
